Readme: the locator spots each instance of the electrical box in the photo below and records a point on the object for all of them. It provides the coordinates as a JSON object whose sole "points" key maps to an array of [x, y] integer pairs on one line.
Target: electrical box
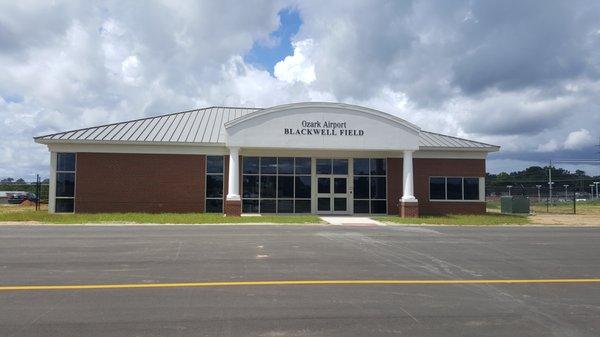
{"points": [[517, 204]]}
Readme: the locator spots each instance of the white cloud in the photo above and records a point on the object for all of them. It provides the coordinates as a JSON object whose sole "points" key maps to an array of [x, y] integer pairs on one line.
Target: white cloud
{"points": [[131, 69], [110, 61], [578, 139], [550, 146], [297, 67]]}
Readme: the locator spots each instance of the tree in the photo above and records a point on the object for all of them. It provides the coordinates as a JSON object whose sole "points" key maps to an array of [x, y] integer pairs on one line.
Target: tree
{"points": [[8, 180], [20, 181]]}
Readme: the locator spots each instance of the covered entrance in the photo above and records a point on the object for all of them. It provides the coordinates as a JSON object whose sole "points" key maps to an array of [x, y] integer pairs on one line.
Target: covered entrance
{"points": [[347, 146], [334, 186]]}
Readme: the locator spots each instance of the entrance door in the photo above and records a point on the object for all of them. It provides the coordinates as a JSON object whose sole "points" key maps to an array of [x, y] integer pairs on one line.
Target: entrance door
{"points": [[333, 190]]}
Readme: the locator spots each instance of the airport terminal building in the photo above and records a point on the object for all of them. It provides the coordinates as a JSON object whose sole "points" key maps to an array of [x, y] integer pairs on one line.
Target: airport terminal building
{"points": [[321, 158]]}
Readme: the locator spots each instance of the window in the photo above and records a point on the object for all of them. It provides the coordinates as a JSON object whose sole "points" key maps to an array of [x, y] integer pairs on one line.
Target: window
{"points": [[65, 182], [276, 185], [214, 184], [370, 185], [437, 188], [471, 188], [453, 188]]}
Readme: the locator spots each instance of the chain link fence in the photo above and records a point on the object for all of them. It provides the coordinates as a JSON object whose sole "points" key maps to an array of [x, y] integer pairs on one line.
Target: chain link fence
{"points": [[559, 199], [25, 193]]}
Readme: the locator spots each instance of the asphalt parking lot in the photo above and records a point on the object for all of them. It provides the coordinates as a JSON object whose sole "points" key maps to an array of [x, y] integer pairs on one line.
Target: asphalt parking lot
{"points": [[168, 257]]}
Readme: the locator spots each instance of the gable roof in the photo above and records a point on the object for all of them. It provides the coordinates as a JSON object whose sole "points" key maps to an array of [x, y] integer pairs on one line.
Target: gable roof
{"points": [[191, 126], [207, 126]]}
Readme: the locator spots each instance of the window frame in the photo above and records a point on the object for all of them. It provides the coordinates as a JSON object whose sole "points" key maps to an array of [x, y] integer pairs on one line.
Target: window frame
{"points": [[56, 173], [462, 199], [206, 174], [369, 175], [259, 199]]}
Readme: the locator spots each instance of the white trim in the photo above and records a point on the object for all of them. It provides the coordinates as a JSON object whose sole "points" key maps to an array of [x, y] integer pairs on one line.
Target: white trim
{"points": [[407, 178], [221, 149], [322, 105], [481, 189], [121, 142], [233, 178], [450, 154], [144, 149], [279, 152]]}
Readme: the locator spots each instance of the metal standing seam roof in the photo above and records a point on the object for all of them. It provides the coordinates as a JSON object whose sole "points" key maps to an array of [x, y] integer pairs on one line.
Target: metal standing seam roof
{"points": [[207, 125], [192, 126], [436, 140]]}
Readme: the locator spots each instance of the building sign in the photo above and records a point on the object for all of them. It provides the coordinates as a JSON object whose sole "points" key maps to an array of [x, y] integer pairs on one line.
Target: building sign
{"points": [[326, 128]]}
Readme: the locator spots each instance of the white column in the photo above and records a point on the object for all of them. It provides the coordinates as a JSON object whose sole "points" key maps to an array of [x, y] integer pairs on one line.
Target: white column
{"points": [[407, 177], [233, 186]]}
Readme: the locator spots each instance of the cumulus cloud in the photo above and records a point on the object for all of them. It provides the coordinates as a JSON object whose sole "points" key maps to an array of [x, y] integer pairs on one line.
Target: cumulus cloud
{"points": [[579, 139], [523, 75], [551, 146], [297, 67]]}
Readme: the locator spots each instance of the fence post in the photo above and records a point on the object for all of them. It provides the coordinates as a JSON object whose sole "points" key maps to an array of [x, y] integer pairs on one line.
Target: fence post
{"points": [[37, 192], [574, 202]]}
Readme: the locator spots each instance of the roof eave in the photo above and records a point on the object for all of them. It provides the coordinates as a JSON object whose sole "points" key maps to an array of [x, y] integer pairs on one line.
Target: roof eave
{"points": [[95, 142], [470, 149]]}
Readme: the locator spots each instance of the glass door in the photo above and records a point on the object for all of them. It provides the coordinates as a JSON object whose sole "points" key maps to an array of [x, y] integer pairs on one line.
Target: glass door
{"points": [[333, 192]]}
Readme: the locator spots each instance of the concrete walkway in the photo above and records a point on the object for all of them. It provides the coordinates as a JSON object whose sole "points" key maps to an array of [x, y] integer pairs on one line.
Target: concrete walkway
{"points": [[351, 221]]}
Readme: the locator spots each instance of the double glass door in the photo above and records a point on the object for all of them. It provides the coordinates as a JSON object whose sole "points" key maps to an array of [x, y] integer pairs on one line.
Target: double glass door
{"points": [[333, 188]]}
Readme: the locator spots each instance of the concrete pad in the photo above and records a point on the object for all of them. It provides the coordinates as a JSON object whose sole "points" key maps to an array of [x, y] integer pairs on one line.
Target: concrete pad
{"points": [[351, 221]]}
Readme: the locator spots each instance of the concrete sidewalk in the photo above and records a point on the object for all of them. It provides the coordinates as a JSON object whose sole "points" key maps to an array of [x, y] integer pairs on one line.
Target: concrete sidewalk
{"points": [[351, 221]]}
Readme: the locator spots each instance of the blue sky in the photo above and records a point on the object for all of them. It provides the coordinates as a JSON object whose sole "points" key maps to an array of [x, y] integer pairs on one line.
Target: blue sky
{"points": [[265, 55], [524, 75]]}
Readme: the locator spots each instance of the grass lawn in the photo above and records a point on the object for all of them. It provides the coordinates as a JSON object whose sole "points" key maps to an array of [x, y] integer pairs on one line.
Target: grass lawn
{"points": [[17, 213], [591, 207], [484, 219]]}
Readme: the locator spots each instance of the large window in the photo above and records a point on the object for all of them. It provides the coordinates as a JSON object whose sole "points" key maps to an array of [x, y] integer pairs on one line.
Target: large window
{"points": [[214, 184], [276, 185], [370, 185], [453, 188], [65, 182]]}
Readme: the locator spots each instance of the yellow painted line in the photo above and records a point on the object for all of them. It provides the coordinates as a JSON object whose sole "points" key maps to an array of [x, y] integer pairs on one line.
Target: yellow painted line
{"points": [[290, 282]]}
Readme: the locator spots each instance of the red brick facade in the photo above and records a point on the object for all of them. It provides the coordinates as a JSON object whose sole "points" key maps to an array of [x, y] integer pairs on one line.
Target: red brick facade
{"points": [[233, 207], [115, 182], [394, 185], [409, 209], [425, 168]]}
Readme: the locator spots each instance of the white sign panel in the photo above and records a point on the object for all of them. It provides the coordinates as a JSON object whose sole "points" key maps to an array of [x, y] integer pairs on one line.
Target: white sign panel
{"points": [[322, 126]]}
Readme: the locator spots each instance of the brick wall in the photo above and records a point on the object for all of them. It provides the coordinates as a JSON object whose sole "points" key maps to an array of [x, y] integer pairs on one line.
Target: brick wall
{"points": [[423, 168], [115, 182]]}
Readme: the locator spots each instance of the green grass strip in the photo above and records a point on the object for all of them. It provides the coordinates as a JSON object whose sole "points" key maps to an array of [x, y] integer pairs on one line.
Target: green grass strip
{"points": [[160, 218], [456, 219]]}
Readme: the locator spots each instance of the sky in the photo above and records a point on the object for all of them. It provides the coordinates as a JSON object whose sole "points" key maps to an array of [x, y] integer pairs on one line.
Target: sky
{"points": [[524, 75]]}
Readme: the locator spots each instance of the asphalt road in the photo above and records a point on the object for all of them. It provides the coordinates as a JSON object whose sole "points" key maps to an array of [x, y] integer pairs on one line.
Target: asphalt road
{"points": [[69, 255]]}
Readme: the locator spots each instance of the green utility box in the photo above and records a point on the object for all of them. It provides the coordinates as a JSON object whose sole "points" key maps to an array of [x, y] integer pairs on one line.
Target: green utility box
{"points": [[517, 204]]}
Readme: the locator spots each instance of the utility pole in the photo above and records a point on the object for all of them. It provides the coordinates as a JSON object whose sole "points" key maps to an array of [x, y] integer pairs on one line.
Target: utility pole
{"points": [[566, 187], [550, 182], [592, 191], [509, 187], [539, 195], [596, 183]]}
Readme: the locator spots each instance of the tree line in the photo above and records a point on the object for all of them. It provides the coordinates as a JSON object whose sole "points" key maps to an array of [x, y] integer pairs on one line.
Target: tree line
{"points": [[537, 175], [20, 181]]}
